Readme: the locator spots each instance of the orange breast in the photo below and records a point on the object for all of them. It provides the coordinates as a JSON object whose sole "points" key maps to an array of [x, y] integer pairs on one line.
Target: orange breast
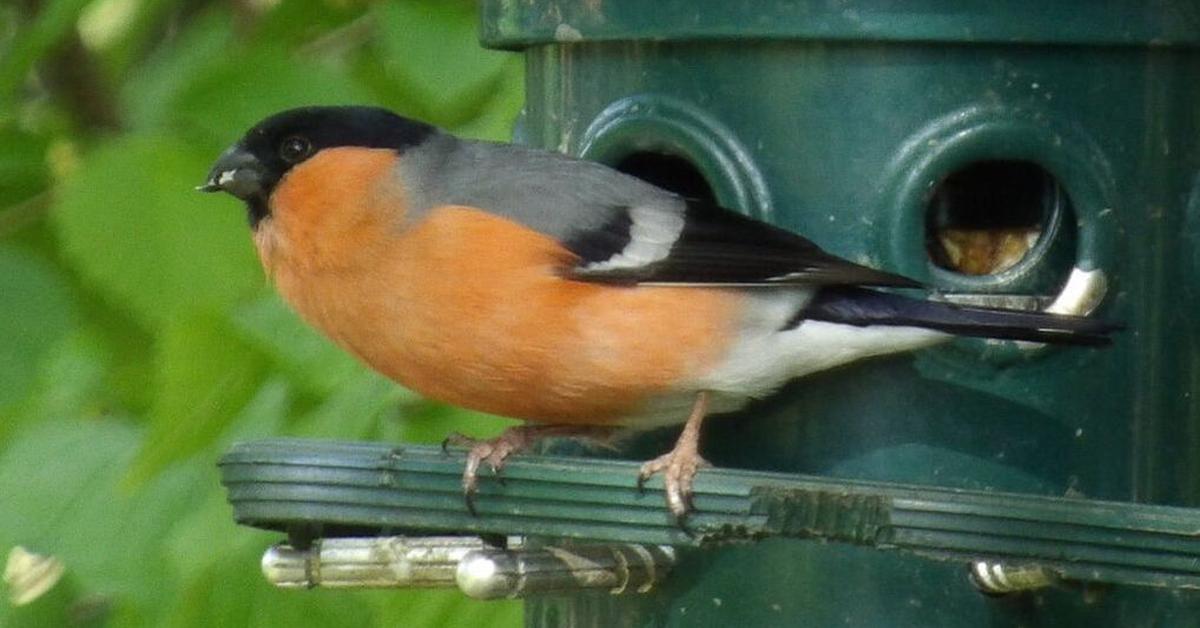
{"points": [[471, 309]]}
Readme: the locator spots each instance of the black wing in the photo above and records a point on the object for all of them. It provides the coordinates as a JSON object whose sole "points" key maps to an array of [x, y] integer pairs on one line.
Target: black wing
{"points": [[717, 246]]}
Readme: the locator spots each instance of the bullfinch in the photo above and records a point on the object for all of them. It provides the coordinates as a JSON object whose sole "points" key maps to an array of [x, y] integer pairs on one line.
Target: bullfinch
{"points": [[530, 284]]}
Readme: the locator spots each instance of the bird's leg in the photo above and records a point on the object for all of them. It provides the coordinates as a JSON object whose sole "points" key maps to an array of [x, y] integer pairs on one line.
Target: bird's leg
{"points": [[679, 466], [495, 451]]}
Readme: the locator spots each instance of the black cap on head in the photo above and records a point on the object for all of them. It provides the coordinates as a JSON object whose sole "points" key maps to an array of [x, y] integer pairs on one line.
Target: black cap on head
{"points": [[252, 167]]}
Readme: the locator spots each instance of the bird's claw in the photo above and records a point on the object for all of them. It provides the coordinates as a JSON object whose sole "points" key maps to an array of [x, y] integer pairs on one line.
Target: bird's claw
{"points": [[494, 452], [678, 468]]}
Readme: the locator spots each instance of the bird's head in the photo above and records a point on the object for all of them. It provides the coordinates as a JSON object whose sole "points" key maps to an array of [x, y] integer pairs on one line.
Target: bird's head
{"points": [[255, 165]]}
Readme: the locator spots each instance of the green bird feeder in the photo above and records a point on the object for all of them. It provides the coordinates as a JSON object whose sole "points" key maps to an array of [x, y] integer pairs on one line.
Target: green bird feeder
{"points": [[1041, 155]]}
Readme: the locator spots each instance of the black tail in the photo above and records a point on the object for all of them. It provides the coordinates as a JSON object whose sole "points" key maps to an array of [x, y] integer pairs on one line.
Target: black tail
{"points": [[860, 306]]}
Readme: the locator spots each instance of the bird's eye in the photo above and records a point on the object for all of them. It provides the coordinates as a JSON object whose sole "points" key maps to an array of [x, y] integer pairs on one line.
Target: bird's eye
{"points": [[294, 149]]}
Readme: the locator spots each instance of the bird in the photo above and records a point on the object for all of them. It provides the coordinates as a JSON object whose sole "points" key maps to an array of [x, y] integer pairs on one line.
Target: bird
{"points": [[562, 292]]}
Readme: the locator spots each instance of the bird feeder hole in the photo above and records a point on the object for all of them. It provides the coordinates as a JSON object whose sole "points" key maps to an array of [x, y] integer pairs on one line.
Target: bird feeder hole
{"points": [[989, 216], [668, 171]]}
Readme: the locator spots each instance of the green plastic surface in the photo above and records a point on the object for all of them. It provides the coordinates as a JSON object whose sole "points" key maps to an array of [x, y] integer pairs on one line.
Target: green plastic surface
{"points": [[838, 119], [521, 23], [320, 488]]}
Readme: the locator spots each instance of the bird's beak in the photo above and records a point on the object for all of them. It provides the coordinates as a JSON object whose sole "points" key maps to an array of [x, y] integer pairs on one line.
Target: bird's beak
{"points": [[237, 172]]}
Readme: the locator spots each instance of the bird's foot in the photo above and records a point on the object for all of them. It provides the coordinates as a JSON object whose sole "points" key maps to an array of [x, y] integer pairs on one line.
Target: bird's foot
{"points": [[678, 468], [495, 451]]}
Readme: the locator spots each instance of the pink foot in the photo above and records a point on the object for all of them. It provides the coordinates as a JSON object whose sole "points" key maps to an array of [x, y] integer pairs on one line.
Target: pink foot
{"points": [[495, 451]]}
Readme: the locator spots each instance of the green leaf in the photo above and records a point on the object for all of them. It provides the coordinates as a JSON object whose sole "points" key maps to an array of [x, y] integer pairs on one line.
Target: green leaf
{"points": [[300, 22], [264, 415], [137, 304], [24, 170], [171, 68], [207, 533], [233, 593], [129, 348], [203, 537], [443, 608], [432, 51], [226, 99], [136, 33], [134, 227], [68, 384], [311, 360], [65, 604], [495, 120], [38, 312], [355, 410], [60, 483], [53, 22], [206, 377]]}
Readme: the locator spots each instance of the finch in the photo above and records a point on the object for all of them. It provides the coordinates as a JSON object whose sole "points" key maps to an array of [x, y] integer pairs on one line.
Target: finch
{"points": [[533, 285]]}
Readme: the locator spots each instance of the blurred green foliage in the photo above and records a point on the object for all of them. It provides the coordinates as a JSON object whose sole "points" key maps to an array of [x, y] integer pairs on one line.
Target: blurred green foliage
{"points": [[138, 336]]}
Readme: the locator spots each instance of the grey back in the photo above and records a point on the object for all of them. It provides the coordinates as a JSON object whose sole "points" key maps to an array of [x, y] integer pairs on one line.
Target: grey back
{"points": [[552, 193]]}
